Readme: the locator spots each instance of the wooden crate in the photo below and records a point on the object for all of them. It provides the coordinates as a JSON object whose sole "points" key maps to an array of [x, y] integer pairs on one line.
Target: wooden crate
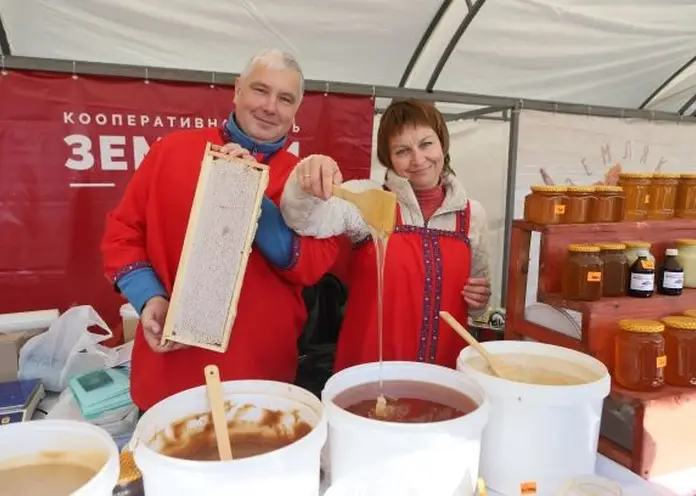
{"points": [[659, 438]]}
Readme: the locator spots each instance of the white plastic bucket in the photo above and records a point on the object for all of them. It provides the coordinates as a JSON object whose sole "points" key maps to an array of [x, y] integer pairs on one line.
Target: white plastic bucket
{"points": [[89, 445], [539, 436], [293, 470], [429, 459]]}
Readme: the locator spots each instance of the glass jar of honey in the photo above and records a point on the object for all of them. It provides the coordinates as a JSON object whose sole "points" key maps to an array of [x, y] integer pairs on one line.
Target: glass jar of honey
{"points": [[680, 349], [662, 196], [687, 259], [578, 204], [545, 204], [632, 249], [636, 189], [582, 273], [607, 204], [685, 207], [639, 355], [614, 270]]}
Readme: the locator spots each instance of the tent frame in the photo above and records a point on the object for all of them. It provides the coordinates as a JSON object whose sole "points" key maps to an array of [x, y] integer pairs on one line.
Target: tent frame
{"points": [[510, 106]]}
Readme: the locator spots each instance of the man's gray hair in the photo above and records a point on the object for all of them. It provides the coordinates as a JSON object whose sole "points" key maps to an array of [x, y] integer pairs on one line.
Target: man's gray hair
{"points": [[276, 59]]}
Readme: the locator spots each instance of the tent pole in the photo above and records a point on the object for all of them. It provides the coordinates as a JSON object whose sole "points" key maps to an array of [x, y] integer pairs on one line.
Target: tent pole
{"points": [[206, 77], [510, 186]]}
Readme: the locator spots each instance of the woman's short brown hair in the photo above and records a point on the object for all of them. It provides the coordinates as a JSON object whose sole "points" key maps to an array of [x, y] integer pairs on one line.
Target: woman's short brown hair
{"points": [[411, 112]]}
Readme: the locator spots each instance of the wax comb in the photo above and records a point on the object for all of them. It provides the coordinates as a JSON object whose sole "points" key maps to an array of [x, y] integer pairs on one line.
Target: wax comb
{"points": [[219, 236]]}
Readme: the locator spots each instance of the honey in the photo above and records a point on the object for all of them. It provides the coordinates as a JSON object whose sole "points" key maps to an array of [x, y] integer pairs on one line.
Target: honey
{"points": [[662, 196], [680, 348], [545, 204], [687, 259], [690, 313], [607, 204], [579, 204], [582, 273], [639, 355], [636, 189], [615, 269], [632, 248], [685, 206]]}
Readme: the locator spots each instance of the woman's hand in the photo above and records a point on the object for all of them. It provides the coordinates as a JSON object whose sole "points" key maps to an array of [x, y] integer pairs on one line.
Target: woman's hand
{"points": [[317, 175], [477, 292], [152, 318]]}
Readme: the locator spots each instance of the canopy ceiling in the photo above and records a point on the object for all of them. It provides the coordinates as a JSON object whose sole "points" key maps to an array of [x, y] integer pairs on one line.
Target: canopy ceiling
{"points": [[593, 52]]}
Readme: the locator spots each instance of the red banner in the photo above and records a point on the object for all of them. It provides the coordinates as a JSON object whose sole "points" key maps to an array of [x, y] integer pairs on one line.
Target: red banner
{"points": [[68, 146]]}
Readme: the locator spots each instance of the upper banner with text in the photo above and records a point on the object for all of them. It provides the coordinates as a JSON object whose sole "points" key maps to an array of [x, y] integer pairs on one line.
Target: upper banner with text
{"points": [[68, 146]]}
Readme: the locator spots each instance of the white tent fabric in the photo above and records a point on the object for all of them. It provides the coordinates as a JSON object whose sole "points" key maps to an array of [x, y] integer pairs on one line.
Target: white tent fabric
{"points": [[591, 52]]}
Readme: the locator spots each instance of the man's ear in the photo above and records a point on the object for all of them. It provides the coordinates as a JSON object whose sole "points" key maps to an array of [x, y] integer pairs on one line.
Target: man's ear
{"points": [[237, 87]]}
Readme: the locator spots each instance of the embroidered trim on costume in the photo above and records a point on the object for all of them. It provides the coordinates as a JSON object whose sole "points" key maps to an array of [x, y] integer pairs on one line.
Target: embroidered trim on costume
{"points": [[295, 253], [127, 269], [427, 303], [438, 298]]}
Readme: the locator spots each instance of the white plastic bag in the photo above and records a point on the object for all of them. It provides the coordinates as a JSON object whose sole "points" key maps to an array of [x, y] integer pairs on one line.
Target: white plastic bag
{"points": [[67, 348]]}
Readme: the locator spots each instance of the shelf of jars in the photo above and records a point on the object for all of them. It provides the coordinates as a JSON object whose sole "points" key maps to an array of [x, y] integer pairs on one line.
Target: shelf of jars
{"points": [[615, 273]]}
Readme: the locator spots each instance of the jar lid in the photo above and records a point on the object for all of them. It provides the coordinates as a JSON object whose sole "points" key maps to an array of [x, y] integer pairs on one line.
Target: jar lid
{"points": [[690, 313], [689, 175], [685, 242], [643, 252], [666, 175], [641, 325], [682, 322], [605, 188], [635, 175], [671, 252], [548, 188], [611, 246], [637, 244], [581, 189], [583, 248]]}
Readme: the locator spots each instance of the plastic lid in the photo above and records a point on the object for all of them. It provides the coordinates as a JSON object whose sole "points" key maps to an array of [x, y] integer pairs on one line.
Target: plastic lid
{"points": [[681, 322], [583, 248], [642, 252], [689, 175], [686, 242], [608, 188], [636, 175], [636, 244], [611, 246], [666, 175], [671, 252], [641, 325], [548, 188], [590, 485], [581, 189]]}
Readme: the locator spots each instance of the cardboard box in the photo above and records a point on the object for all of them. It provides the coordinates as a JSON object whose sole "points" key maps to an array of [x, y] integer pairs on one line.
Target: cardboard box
{"points": [[10, 344]]}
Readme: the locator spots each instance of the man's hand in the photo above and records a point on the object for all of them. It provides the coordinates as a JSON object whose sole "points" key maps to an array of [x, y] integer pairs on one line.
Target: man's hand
{"points": [[477, 293], [233, 150], [317, 175], [152, 317]]}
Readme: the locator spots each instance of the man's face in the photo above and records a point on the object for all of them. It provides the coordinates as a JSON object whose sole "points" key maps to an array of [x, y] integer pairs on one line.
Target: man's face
{"points": [[266, 102]]}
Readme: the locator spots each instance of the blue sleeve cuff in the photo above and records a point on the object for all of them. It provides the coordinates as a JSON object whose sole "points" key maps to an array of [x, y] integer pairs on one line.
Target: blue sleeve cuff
{"points": [[139, 286], [273, 237]]}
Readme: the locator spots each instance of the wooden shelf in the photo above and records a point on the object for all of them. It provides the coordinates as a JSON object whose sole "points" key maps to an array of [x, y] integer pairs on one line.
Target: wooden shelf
{"points": [[660, 429]]}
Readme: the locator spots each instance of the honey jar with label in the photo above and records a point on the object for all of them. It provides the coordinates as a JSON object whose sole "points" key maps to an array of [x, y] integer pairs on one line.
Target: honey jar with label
{"points": [[636, 189], [582, 273], [545, 204], [685, 207], [578, 204], [632, 248], [615, 269], [607, 204], [639, 355], [662, 196], [687, 259], [680, 349]]}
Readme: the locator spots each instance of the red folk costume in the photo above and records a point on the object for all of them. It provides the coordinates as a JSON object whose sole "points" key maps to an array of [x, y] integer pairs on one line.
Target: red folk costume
{"points": [[148, 227], [428, 262]]}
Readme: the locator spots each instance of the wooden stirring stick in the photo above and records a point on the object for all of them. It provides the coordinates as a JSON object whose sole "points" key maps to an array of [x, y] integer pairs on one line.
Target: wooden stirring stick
{"points": [[377, 207], [217, 408], [490, 359]]}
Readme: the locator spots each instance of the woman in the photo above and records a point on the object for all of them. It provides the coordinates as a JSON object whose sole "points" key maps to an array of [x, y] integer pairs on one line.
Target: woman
{"points": [[437, 257]]}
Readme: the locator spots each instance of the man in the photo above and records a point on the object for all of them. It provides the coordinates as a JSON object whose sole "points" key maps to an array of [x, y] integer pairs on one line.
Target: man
{"points": [[145, 234]]}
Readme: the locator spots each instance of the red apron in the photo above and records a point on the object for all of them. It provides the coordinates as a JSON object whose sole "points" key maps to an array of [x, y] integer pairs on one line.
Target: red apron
{"points": [[425, 272]]}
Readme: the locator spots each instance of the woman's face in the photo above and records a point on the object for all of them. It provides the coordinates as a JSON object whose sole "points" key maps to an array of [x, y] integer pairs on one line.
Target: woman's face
{"points": [[417, 155]]}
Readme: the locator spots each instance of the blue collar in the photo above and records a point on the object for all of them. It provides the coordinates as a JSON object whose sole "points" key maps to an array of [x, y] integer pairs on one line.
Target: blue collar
{"points": [[232, 132]]}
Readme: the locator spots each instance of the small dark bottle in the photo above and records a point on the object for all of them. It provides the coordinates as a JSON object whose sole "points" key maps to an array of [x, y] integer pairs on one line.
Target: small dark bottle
{"points": [[641, 282], [670, 276]]}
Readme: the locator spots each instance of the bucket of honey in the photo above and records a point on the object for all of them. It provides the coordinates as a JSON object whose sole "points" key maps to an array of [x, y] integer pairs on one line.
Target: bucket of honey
{"points": [[276, 432], [433, 419], [52, 457], [545, 414]]}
